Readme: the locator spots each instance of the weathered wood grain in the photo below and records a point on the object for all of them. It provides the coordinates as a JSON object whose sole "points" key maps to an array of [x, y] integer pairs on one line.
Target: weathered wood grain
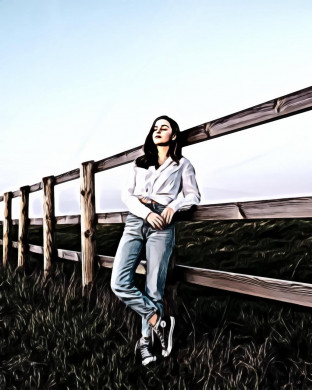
{"points": [[16, 193], [118, 159], [222, 211], [281, 290], [68, 220], [272, 208], [36, 187], [48, 223], [61, 253], [262, 113], [260, 209], [87, 204], [60, 220], [23, 226], [68, 255], [35, 249], [7, 227], [300, 207], [32, 221], [276, 289], [112, 217], [36, 221], [278, 208], [67, 176]]}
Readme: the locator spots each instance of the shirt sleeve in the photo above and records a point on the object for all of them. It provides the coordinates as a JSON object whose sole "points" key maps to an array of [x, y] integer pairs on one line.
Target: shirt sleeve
{"points": [[131, 201], [189, 189]]}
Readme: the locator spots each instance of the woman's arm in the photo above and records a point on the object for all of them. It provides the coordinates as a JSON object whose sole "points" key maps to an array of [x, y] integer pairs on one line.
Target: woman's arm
{"points": [[189, 189], [131, 201]]}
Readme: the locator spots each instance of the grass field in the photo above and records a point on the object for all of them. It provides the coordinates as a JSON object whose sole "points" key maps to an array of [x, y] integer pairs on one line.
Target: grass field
{"points": [[51, 338]]}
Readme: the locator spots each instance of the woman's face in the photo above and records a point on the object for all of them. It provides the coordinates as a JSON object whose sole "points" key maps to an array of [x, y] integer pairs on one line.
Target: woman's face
{"points": [[162, 132]]}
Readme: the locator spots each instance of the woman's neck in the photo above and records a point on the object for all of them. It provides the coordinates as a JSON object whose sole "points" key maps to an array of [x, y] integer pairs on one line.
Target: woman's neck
{"points": [[163, 154]]}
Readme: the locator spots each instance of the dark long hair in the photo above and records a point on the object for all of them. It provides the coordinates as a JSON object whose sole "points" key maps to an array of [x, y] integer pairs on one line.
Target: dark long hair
{"points": [[150, 149]]}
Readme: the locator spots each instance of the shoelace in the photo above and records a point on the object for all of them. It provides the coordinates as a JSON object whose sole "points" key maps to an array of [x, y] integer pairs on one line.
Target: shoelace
{"points": [[160, 336], [145, 353]]}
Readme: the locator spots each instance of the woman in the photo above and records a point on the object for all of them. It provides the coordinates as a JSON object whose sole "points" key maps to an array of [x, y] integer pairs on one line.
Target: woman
{"points": [[154, 182]]}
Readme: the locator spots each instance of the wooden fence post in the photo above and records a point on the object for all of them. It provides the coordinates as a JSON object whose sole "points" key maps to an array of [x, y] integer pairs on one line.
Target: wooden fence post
{"points": [[7, 227], [87, 205], [23, 226], [48, 223]]}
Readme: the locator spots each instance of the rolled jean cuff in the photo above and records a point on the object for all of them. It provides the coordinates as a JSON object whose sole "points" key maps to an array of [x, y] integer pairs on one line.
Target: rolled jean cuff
{"points": [[151, 314]]}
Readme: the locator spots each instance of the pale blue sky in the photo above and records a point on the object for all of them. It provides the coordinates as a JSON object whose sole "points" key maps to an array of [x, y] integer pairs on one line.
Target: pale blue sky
{"points": [[83, 80]]}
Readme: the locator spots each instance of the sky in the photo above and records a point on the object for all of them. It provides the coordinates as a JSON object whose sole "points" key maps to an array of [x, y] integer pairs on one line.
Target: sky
{"points": [[84, 80]]}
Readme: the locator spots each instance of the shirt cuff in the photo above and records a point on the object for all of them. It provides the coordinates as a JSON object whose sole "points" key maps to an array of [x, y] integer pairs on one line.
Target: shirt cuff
{"points": [[174, 205]]}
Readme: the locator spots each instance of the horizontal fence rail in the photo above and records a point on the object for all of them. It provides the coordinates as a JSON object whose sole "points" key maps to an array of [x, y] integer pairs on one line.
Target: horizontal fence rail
{"points": [[277, 289], [291, 104], [260, 209], [299, 207]]}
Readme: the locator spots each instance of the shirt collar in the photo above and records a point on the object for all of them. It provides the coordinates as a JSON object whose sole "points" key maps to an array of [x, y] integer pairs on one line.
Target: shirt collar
{"points": [[163, 166]]}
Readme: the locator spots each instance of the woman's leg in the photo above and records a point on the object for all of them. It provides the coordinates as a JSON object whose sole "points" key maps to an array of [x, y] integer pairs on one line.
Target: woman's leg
{"points": [[124, 267], [159, 246]]}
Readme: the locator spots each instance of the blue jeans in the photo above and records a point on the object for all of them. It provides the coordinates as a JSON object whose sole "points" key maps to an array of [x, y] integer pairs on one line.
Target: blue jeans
{"points": [[159, 246]]}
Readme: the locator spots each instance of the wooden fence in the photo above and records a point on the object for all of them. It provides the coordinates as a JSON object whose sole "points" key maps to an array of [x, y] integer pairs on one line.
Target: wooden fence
{"points": [[282, 290]]}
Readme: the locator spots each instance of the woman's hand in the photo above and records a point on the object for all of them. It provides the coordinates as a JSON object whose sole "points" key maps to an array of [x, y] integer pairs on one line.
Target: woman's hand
{"points": [[167, 214], [156, 220]]}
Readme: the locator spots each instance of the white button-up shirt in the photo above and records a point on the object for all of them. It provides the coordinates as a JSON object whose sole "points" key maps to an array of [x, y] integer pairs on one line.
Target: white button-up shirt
{"points": [[162, 185]]}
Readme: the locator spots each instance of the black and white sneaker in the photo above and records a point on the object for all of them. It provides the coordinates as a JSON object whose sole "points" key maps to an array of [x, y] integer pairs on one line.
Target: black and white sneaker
{"points": [[164, 331], [144, 344]]}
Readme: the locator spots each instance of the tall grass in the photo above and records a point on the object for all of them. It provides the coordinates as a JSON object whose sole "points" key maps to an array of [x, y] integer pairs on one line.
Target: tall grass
{"points": [[52, 338]]}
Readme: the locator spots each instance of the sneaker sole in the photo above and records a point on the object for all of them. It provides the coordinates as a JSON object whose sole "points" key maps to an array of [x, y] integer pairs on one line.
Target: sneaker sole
{"points": [[137, 352], [167, 352], [148, 360]]}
